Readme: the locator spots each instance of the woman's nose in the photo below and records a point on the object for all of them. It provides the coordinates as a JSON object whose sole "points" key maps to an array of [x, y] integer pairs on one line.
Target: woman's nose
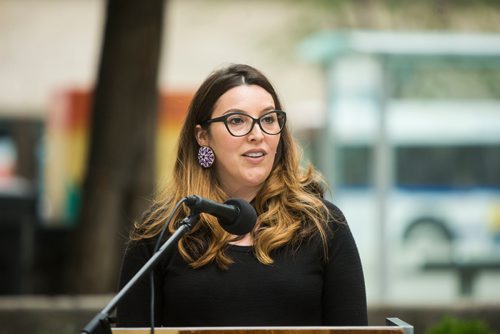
{"points": [[256, 133]]}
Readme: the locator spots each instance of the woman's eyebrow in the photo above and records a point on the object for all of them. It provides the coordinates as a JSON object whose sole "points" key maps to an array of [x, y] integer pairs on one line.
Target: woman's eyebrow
{"points": [[235, 110], [270, 108], [239, 111]]}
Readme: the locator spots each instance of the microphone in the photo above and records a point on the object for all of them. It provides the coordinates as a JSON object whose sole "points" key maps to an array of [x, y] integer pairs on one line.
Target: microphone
{"points": [[236, 215]]}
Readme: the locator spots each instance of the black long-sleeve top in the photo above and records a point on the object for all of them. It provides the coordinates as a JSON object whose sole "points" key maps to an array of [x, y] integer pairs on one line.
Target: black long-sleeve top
{"points": [[299, 289]]}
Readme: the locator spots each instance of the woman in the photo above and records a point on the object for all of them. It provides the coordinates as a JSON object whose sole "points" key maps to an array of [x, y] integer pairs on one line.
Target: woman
{"points": [[298, 267]]}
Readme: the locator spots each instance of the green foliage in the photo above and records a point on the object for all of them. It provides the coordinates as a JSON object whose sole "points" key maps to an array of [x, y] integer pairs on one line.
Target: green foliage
{"points": [[457, 15], [449, 325]]}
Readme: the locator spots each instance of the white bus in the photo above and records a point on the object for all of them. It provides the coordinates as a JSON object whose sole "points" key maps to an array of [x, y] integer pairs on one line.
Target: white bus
{"points": [[444, 198], [411, 147]]}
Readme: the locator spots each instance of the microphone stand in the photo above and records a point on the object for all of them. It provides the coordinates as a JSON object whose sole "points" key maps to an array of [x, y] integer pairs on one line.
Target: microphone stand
{"points": [[100, 323]]}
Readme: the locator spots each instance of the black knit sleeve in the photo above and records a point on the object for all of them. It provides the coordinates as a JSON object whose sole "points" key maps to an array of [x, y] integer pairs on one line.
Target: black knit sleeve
{"points": [[134, 309], [344, 296]]}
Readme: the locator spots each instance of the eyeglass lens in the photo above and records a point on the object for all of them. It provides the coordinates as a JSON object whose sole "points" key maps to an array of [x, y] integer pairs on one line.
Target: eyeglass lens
{"points": [[241, 124]]}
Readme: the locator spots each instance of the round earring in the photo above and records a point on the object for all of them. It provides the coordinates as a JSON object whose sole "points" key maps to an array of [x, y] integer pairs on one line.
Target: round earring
{"points": [[206, 157]]}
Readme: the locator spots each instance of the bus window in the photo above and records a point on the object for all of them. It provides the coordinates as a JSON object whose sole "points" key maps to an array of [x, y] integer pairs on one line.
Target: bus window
{"points": [[448, 166], [355, 166]]}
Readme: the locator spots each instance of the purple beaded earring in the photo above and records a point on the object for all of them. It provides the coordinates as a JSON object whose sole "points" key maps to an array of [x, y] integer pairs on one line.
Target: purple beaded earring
{"points": [[206, 156]]}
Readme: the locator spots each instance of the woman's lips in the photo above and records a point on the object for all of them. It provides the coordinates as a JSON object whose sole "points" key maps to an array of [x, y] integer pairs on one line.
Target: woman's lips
{"points": [[254, 154]]}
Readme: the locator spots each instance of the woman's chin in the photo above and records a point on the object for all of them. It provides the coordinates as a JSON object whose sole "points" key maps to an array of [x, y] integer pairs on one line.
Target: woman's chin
{"points": [[249, 187], [255, 180]]}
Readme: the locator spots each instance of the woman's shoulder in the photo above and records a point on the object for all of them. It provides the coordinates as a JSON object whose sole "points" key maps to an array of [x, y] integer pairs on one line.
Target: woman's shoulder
{"points": [[339, 235], [338, 227], [140, 248], [335, 213]]}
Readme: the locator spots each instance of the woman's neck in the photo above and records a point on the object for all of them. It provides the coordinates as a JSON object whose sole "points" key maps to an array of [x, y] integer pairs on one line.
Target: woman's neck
{"points": [[247, 240], [243, 193]]}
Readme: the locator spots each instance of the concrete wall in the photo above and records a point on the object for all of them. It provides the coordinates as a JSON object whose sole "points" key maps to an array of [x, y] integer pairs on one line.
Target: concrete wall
{"points": [[66, 314]]}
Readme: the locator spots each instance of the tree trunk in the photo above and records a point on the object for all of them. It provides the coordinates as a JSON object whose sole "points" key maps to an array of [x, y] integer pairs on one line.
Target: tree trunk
{"points": [[120, 166]]}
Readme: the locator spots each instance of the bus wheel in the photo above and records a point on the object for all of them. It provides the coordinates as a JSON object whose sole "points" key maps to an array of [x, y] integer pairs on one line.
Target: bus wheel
{"points": [[427, 239]]}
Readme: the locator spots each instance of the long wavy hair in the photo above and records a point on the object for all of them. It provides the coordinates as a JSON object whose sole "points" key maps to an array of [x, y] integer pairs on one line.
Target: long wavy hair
{"points": [[289, 205]]}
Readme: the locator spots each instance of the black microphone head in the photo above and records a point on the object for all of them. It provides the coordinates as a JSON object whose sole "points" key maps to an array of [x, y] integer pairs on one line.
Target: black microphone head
{"points": [[244, 221]]}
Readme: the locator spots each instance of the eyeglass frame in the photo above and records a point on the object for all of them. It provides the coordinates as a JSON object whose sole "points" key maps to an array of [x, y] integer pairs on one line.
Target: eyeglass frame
{"points": [[224, 118]]}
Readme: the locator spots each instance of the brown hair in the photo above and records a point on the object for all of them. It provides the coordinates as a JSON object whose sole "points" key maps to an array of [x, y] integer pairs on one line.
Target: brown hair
{"points": [[289, 205]]}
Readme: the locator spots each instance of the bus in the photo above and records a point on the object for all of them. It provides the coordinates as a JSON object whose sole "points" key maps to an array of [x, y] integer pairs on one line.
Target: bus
{"points": [[444, 166], [410, 145]]}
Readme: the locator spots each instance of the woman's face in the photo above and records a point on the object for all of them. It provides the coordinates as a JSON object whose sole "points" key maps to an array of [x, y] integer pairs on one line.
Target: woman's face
{"points": [[242, 164]]}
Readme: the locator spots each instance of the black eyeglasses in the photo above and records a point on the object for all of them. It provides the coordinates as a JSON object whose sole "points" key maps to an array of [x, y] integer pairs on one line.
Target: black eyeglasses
{"points": [[240, 124]]}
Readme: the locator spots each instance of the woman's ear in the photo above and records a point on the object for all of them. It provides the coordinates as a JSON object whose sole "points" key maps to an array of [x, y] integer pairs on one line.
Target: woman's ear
{"points": [[201, 135]]}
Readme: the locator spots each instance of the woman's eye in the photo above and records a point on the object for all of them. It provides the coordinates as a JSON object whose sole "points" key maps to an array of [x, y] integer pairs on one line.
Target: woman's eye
{"points": [[236, 120], [268, 119]]}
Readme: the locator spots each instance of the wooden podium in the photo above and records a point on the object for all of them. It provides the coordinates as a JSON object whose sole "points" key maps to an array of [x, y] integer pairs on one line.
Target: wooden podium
{"points": [[393, 326]]}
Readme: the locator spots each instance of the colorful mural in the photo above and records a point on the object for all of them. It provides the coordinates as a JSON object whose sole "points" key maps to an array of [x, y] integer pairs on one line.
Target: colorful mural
{"points": [[65, 148]]}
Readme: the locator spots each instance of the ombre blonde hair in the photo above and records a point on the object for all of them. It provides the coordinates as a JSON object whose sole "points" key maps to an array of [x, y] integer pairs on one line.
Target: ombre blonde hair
{"points": [[289, 205]]}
